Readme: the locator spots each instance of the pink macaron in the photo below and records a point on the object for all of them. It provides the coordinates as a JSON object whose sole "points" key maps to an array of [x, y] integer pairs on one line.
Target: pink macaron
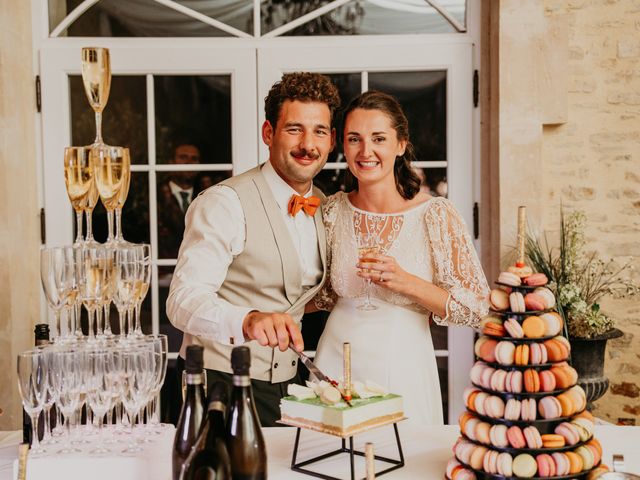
{"points": [[563, 465], [512, 409], [508, 278], [479, 402], [490, 462], [547, 295], [516, 302], [513, 328], [533, 301], [498, 435], [498, 381], [516, 437], [536, 280], [528, 409], [552, 323], [463, 451], [537, 353], [546, 465], [465, 474], [532, 437], [470, 428], [505, 464], [494, 407], [485, 379], [547, 381], [476, 372], [549, 407], [514, 381], [504, 352], [569, 432]]}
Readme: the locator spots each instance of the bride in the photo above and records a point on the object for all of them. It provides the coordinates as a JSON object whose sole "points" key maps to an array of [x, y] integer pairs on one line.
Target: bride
{"points": [[426, 267]]}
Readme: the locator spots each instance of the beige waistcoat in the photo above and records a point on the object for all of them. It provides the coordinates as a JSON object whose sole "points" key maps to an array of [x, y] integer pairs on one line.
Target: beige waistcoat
{"points": [[266, 275]]}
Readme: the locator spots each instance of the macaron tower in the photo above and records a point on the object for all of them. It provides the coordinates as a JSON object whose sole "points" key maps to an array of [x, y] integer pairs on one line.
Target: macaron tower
{"points": [[525, 415]]}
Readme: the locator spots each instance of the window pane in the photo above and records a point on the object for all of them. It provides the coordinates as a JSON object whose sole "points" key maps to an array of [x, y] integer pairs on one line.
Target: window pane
{"points": [[135, 214], [423, 97], [439, 337], [434, 181], [357, 17], [172, 193], [193, 110], [330, 180], [124, 120], [174, 336], [147, 18], [443, 368]]}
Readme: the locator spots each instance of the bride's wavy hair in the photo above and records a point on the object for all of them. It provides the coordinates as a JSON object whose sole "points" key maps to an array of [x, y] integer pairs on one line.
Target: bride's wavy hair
{"points": [[407, 180]]}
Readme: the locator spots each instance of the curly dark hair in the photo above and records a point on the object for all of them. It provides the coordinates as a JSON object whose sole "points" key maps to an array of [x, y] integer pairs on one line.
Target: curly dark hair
{"points": [[302, 86], [407, 180]]}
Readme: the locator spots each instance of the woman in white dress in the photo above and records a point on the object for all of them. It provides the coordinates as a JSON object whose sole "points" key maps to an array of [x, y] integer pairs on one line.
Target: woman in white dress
{"points": [[426, 267]]}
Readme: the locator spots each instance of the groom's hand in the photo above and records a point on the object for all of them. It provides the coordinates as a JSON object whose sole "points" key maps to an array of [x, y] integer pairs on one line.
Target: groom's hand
{"points": [[272, 329]]}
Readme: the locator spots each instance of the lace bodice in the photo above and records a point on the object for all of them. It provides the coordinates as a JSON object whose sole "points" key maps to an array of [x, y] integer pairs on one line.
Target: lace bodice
{"points": [[429, 240]]}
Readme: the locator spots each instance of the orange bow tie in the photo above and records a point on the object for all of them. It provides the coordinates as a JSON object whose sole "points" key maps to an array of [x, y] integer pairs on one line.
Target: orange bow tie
{"points": [[298, 202]]}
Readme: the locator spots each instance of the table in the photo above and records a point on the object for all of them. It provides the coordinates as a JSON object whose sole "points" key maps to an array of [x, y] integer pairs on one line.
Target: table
{"points": [[426, 451]]}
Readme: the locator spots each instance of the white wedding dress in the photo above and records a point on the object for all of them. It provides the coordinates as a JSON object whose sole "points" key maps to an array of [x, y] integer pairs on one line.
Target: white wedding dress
{"points": [[392, 345]]}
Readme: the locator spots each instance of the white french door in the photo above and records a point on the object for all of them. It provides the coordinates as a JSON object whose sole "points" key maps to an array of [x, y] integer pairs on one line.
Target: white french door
{"points": [[245, 70]]}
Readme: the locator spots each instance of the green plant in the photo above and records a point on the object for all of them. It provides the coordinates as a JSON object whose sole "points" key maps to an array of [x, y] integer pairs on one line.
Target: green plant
{"points": [[579, 278]]}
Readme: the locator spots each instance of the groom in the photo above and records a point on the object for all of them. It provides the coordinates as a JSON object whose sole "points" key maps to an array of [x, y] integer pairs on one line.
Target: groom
{"points": [[253, 251]]}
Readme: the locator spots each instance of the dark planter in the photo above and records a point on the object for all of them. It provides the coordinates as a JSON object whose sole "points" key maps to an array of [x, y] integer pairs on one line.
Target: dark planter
{"points": [[587, 357]]}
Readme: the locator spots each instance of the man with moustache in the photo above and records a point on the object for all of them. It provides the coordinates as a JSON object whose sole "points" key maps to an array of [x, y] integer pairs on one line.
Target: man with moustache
{"points": [[253, 252]]}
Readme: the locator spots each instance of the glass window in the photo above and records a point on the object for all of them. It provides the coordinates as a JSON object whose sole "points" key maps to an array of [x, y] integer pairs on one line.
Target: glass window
{"points": [[124, 120], [423, 96], [369, 17], [175, 192], [148, 18], [193, 110]]}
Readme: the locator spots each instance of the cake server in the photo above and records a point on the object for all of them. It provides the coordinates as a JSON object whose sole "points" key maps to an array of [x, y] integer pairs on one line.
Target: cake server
{"points": [[315, 371]]}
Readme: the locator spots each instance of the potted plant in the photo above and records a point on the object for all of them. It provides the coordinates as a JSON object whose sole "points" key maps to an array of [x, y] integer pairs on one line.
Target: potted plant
{"points": [[580, 279]]}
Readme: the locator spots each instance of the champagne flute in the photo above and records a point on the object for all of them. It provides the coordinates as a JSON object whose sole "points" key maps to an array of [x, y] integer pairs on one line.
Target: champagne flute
{"points": [[32, 384], [368, 244], [112, 170], [81, 189], [142, 284], [126, 278], [122, 197], [96, 77], [98, 389], [93, 278], [58, 280]]}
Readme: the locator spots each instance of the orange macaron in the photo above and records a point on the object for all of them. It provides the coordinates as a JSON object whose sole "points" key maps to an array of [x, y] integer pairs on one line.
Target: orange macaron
{"points": [[531, 381], [575, 462], [533, 327], [521, 356], [551, 440]]}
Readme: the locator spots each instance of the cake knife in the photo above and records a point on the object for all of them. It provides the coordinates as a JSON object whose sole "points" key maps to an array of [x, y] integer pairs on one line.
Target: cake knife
{"points": [[315, 371]]}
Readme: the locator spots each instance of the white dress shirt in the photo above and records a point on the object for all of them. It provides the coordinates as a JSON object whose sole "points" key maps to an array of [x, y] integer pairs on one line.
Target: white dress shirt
{"points": [[177, 189], [214, 235]]}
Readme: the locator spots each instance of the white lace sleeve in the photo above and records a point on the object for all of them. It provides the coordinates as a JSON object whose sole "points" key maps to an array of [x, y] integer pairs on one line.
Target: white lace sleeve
{"points": [[457, 268], [326, 298]]}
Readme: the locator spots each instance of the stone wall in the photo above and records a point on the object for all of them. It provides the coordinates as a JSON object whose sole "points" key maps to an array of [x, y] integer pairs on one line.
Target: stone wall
{"points": [[592, 163], [570, 134]]}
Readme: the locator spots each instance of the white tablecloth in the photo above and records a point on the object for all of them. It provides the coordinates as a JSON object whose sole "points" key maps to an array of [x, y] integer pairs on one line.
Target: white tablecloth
{"points": [[426, 452]]}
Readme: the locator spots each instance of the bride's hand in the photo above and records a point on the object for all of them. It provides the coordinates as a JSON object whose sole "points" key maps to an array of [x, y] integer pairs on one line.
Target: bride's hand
{"points": [[384, 271]]}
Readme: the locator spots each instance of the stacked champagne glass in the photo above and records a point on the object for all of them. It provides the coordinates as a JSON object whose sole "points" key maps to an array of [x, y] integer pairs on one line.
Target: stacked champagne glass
{"points": [[109, 377], [89, 273]]}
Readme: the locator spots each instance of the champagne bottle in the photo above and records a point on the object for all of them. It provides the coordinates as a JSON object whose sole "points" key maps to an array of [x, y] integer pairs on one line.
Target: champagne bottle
{"points": [[209, 459], [244, 437], [192, 412], [41, 333]]}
